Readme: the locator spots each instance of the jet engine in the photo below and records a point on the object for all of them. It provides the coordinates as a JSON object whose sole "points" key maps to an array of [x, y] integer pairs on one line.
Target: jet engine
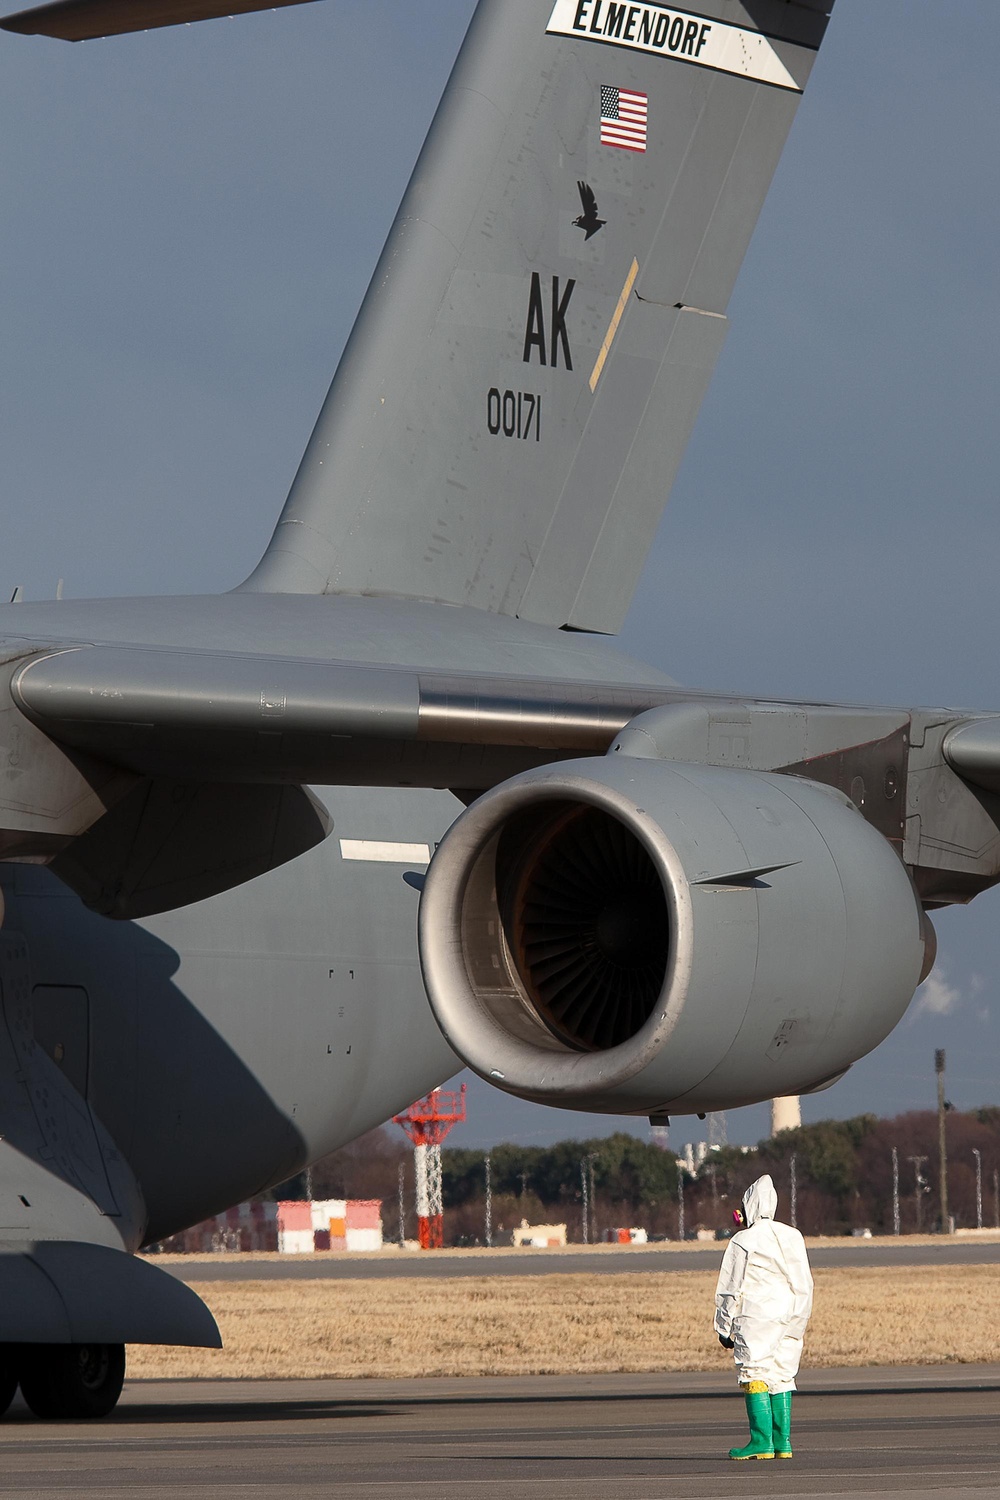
{"points": [[639, 937]]}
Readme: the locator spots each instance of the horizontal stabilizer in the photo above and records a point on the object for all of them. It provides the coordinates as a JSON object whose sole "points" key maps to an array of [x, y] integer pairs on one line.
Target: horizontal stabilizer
{"points": [[83, 20]]}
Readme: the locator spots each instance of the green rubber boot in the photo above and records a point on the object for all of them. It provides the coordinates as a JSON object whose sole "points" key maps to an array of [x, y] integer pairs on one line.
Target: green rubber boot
{"points": [[759, 1415], [781, 1424]]}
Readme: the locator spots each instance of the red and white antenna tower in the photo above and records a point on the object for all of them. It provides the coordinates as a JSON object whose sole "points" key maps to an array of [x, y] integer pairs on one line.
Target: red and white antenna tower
{"points": [[427, 1123]]}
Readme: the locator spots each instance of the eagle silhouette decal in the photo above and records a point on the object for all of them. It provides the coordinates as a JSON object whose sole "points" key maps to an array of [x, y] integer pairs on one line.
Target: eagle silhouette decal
{"points": [[589, 221]]}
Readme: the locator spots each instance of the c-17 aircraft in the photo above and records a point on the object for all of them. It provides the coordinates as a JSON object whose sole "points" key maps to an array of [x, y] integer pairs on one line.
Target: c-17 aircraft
{"points": [[245, 839]]}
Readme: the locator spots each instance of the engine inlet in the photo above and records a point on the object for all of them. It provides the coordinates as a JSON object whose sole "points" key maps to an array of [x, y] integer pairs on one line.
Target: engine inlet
{"points": [[586, 922]]}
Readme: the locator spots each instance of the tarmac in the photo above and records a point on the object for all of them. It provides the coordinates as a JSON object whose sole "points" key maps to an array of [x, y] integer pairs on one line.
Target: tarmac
{"points": [[866, 1433], [609, 1260]]}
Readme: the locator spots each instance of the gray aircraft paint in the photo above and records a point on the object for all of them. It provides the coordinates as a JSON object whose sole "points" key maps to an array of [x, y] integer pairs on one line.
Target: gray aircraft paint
{"points": [[233, 1039], [547, 509], [236, 1039]]}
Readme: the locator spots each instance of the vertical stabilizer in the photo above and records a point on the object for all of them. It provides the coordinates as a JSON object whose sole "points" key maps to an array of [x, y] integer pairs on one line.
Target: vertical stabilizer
{"points": [[514, 400]]}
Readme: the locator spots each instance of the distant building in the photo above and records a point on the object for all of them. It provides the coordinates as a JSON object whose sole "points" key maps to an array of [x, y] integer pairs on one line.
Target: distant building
{"points": [[329, 1224], [786, 1114], [626, 1236], [293, 1228], [538, 1236], [692, 1156]]}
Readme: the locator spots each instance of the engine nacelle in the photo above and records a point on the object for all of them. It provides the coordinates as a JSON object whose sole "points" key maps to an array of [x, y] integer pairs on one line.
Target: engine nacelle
{"points": [[639, 937]]}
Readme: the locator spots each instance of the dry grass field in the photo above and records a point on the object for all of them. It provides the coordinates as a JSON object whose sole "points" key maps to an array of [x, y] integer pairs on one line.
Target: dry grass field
{"points": [[568, 1324]]}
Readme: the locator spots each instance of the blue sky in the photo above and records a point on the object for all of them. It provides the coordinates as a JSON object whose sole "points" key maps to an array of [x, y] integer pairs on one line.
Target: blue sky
{"points": [[190, 221]]}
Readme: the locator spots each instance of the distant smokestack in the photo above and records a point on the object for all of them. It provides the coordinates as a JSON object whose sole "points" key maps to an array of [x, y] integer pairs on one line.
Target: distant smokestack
{"points": [[786, 1114]]}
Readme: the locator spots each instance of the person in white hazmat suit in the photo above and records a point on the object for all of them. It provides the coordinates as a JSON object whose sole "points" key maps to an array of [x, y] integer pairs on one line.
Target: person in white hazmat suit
{"points": [[762, 1305]]}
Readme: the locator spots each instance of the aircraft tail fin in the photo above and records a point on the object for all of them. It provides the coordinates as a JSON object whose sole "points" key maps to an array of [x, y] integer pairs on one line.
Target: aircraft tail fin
{"points": [[513, 403]]}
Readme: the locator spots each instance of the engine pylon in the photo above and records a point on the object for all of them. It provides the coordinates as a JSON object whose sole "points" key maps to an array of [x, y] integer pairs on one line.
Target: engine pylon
{"points": [[427, 1123]]}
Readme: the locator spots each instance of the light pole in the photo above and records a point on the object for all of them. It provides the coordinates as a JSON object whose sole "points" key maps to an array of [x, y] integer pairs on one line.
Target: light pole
{"points": [[489, 1202], [919, 1188], [586, 1201], [593, 1199], [794, 1184], [942, 1146], [895, 1191], [979, 1187], [401, 1184], [680, 1204]]}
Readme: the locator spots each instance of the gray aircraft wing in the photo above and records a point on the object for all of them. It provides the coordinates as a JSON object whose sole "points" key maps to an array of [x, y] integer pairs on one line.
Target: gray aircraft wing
{"points": [[176, 773], [272, 719], [201, 760], [260, 719]]}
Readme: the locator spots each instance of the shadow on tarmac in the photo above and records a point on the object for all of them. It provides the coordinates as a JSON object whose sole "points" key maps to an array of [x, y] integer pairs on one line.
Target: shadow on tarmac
{"points": [[203, 1413]]}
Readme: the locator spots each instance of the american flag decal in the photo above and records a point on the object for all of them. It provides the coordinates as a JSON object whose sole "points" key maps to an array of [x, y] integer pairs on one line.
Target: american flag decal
{"points": [[623, 118]]}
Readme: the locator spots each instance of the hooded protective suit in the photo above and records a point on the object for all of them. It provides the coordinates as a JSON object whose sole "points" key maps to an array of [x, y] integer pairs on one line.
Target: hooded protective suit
{"points": [[764, 1296]]}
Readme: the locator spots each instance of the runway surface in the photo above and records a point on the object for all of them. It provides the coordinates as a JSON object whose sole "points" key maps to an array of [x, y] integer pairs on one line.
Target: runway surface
{"points": [[249, 1267], [865, 1433]]}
